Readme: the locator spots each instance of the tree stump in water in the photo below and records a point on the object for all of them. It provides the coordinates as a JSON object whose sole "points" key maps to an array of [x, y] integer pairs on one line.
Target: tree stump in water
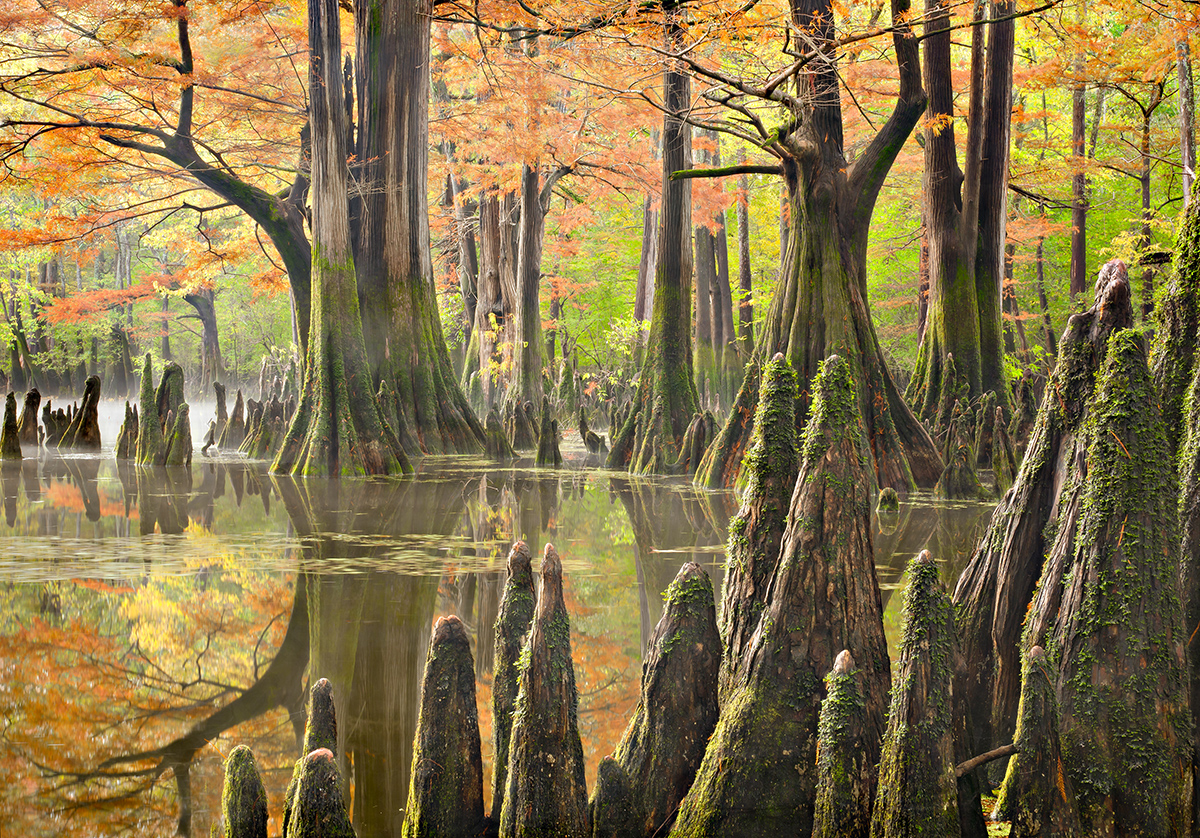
{"points": [[984, 431], [445, 798], [546, 794], [243, 797], [918, 793], [756, 532], [994, 591], [959, 480], [889, 501], [495, 442], [521, 426], [179, 442], [10, 437], [151, 445], [1108, 613], [222, 414], [169, 395], [758, 776], [235, 430], [126, 445], [844, 779], [548, 453], [638, 792], [320, 733], [512, 624], [27, 424], [84, 430], [319, 807], [1004, 459]]}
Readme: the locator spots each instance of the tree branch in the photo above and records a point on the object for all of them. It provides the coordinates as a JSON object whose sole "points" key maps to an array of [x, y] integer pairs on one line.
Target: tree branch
{"points": [[727, 171]]}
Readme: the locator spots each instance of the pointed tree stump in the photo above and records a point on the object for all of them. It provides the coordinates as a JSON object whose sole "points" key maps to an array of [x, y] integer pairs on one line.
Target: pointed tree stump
{"points": [[320, 733], [512, 625], [638, 792], [235, 430], [918, 793], [546, 795], [84, 431], [844, 779], [319, 807], [243, 797], [151, 445], [445, 798], [27, 424], [10, 438]]}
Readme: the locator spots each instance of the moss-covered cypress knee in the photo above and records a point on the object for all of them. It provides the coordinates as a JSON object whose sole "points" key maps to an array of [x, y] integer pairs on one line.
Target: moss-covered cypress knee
{"points": [[84, 431], [755, 533], [179, 443], [984, 434], [1004, 459], [320, 733], [496, 443], [993, 593], [151, 445], [512, 624], [666, 738], [889, 500], [318, 806], [27, 424], [243, 798], [548, 453], [169, 395], [445, 798], [1035, 789], [546, 794], [1108, 614], [10, 438], [758, 776], [960, 479], [844, 780], [235, 428], [918, 793], [126, 444]]}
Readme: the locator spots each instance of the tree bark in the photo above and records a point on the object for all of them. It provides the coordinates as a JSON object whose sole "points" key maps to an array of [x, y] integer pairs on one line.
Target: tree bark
{"points": [[400, 322], [338, 427], [820, 302]]}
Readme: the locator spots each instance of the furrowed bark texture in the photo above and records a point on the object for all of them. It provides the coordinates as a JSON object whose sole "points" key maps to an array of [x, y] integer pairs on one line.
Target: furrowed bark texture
{"points": [[27, 424], [756, 532], [445, 798], [759, 773], [151, 445], [639, 790], [338, 427], [918, 793], [820, 302], [512, 625], [995, 589], [400, 321], [546, 793], [1108, 613], [844, 777]]}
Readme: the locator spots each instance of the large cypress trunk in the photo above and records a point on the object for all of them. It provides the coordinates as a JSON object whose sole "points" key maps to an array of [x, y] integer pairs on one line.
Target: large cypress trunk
{"points": [[338, 427], [820, 302], [401, 325]]}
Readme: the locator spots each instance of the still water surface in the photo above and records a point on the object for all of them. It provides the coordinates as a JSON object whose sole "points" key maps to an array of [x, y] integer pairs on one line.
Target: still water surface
{"points": [[149, 616]]}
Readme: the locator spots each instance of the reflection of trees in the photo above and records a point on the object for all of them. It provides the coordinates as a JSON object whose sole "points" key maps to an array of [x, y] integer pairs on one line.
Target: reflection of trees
{"points": [[672, 524], [369, 629], [949, 531]]}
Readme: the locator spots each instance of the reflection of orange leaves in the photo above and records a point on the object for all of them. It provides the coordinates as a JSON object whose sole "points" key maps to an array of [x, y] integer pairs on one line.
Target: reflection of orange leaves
{"points": [[65, 496]]}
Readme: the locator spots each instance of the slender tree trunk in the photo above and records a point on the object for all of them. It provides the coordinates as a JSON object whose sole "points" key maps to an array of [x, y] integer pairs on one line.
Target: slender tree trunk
{"points": [[529, 355], [1079, 199], [1187, 117], [211, 367], [745, 279]]}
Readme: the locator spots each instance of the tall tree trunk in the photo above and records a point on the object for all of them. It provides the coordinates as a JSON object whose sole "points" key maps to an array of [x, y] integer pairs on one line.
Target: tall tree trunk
{"points": [[528, 349], [211, 367], [965, 212], [1187, 117], [643, 303], [338, 427], [401, 325], [651, 440], [745, 278], [820, 303], [1079, 198]]}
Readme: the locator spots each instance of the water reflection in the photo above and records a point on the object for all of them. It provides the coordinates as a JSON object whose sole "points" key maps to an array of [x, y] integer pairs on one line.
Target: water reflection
{"points": [[150, 619]]}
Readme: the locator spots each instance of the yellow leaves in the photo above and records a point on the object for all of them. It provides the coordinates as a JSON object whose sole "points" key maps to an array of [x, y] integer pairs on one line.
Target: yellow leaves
{"points": [[936, 123]]}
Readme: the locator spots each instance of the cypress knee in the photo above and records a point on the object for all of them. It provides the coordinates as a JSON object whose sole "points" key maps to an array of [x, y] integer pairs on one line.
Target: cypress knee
{"points": [[151, 446], [243, 798], [445, 798], [755, 533], [126, 445], [1004, 459], [495, 442], [169, 395], [318, 807], [844, 779], [179, 443], [548, 453], [993, 593], [320, 733], [222, 418], [27, 424], [512, 624], [665, 740], [84, 430], [1109, 615], [959, 480], [10, 438], [546, 793], [758, 776], [918, 793], [984, 434]]}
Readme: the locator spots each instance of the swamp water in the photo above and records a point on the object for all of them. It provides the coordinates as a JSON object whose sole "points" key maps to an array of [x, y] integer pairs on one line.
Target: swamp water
{"points": [[136, 603]]}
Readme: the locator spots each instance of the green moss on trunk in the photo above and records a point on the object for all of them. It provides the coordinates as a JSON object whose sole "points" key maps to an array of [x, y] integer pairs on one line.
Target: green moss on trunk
{"points": [[512, 624], [243, 797], [844, 779], [151, 446]]}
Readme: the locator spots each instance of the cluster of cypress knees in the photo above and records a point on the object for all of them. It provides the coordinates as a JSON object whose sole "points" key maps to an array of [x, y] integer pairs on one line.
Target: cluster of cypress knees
{"points": [[787, 716]]}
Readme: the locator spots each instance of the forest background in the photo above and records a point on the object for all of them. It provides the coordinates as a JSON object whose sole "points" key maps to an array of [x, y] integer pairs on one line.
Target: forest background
{"points": [[117, 239]]}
